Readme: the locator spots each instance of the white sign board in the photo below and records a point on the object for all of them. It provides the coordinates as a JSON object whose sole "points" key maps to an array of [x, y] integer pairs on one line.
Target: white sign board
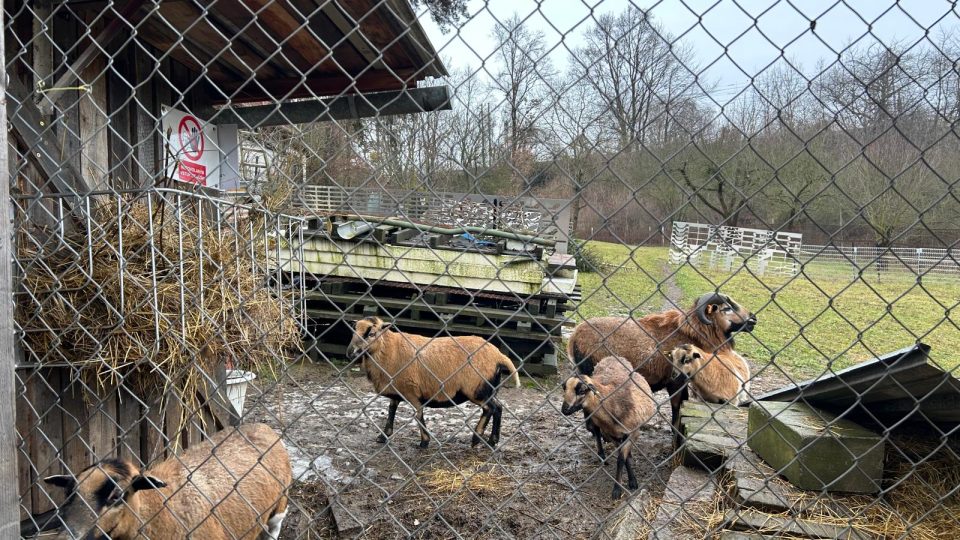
{"points": [[193, 149]]}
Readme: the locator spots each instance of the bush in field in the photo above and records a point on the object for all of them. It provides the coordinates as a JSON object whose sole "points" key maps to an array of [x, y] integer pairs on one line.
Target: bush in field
{"points": [[588, 259]]}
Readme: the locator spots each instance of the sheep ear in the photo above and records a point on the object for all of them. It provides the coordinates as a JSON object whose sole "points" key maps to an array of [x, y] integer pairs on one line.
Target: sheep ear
{"points": [[710, 308], [141, 482], [695, 355], [64, 481]]}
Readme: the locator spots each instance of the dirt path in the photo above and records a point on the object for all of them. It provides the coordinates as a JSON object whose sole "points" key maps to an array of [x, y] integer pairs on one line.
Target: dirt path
{"points": [[671, 291]]}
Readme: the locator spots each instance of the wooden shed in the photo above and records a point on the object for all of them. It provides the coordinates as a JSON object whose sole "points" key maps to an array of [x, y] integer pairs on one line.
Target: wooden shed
{"points": [[88, 83]]}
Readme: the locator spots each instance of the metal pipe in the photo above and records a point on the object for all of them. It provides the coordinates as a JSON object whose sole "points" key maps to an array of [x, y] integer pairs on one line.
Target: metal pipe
{"points": [[455, 230]]}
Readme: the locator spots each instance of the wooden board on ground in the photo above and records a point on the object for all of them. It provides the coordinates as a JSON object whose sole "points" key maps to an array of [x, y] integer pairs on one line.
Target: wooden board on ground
{"points": [[628, 521], [753, 520], [686, 488], [756, 484], [816, 450], [712, 433]]}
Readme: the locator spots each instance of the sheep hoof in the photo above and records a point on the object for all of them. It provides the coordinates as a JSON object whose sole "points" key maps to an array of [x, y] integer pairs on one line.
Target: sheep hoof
{"points": [[381, 438], [475, 441], [424, 444], [617, 492], [493, 443]]}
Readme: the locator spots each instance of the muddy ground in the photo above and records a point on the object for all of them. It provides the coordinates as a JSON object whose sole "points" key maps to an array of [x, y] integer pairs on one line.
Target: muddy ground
{"points": [[544, 480]]}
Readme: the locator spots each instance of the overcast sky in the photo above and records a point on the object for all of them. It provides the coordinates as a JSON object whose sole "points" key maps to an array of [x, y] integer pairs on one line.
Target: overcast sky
{"points": [[754, 31]]}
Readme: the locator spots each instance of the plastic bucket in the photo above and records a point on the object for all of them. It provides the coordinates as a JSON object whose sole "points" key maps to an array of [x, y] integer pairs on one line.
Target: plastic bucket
{"points": [[237, 387]]}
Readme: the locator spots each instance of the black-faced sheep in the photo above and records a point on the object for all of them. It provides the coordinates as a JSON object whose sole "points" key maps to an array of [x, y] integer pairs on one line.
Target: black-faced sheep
{"points": [[232, 486], [709, 374], [437, 372], [616, 401], [710, 324]]}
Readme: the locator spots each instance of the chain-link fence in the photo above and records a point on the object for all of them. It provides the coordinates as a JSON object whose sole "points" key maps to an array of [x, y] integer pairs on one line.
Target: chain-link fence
{"points": [[451, 268]]}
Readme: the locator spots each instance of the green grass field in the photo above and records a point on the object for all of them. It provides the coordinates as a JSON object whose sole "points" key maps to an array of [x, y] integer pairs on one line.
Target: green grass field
{"points": [[806, 324]]}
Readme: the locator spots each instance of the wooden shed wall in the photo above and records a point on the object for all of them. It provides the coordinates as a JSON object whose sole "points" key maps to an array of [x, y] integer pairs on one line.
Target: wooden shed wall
{"points": [[111, 135]]}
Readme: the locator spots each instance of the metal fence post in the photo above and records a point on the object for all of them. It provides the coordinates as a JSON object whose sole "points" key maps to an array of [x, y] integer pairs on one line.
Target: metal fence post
{"points": [[9, 507]]}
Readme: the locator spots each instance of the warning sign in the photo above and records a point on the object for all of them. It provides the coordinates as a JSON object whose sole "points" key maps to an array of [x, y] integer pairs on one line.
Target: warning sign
{"points": [[191, 138], [192, 151]]}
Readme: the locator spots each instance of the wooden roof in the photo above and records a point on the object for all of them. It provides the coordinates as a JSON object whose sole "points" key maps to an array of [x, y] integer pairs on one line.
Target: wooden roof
{"points": [[273, 50], [891, 389]]}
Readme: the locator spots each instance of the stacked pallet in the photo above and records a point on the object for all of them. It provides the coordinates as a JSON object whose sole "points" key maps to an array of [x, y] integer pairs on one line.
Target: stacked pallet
{"points": [[433, 284]]}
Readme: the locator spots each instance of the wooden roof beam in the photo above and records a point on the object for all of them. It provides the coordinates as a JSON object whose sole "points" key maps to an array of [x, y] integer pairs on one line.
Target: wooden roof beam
{"points": [[408, 101], [283, 89]]}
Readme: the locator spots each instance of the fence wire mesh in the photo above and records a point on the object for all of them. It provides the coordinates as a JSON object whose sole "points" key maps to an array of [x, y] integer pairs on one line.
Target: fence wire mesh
{"points": [[452, 268]]}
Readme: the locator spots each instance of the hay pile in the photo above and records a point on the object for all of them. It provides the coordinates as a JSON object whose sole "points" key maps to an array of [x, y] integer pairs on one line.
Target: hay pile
{"points": [[478, 477], [151, 310]]}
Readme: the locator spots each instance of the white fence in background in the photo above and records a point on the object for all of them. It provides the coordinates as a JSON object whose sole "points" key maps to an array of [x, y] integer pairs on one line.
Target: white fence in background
{"points": [[926, 262], [727, 248]]}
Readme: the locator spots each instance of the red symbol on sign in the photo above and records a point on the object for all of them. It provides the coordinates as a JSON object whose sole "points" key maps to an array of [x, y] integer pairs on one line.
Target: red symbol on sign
{"points": [[191, 137]]}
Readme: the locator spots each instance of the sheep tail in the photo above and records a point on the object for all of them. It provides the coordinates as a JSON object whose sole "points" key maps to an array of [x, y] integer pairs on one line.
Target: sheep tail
{"points": [[506, 365]]}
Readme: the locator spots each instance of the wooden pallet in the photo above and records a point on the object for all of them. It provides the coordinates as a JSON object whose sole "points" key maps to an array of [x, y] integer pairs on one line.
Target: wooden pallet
{"points": [[528, 329]]}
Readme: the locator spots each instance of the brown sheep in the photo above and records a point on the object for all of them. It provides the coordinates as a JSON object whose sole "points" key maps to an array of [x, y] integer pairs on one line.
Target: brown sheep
{"points": [[616, 401], [432, 372], [709, 375], [710, 324], [232, 486]]}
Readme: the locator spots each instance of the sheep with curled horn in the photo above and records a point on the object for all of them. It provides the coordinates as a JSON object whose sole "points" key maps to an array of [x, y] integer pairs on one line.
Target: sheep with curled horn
{"points": [[616, 400], [709, 374], [234, 485], [709, 324], [432, 372]]}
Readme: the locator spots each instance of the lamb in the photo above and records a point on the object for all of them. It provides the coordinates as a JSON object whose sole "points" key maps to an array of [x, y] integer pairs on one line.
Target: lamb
{"points": [[616, 401], [437, 372], [233, 485], [709, 375], [710, 324]]}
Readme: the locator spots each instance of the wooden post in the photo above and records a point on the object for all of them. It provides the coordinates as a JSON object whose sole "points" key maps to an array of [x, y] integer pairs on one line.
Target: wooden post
{"points": [[9, 507]]}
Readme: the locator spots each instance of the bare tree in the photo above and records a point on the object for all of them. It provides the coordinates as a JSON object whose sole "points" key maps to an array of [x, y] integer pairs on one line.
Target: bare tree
{"points": [[470, 145], [522, 80], [638, 74], [574, 132]]}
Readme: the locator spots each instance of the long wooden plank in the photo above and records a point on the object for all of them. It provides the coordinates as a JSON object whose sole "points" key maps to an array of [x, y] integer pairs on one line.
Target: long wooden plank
{"points": [[752, 520], [434, 325], [9, 514], [128, 425], [47, 436], [26, 421], [408, 101], [75, 449], [550, 324], [92, 111]]}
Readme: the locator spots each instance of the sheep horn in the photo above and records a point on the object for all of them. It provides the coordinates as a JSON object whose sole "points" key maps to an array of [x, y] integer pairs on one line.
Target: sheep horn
{"points": [[702, 303]]}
